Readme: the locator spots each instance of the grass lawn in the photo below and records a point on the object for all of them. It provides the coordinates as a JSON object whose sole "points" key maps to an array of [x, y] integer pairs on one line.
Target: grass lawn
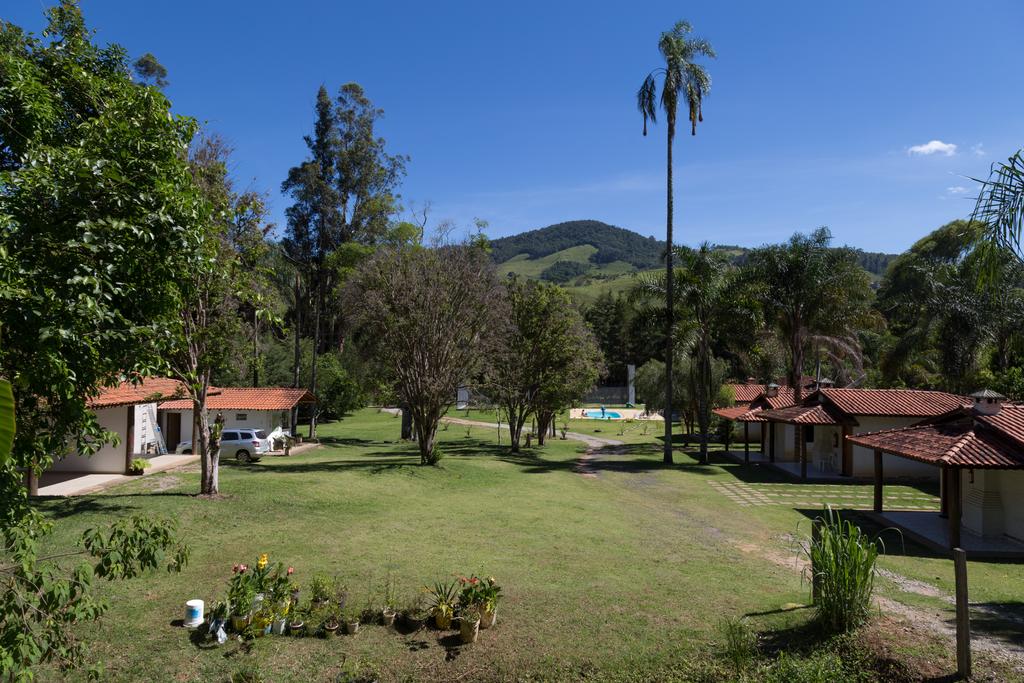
{"points": [[625, 575]]}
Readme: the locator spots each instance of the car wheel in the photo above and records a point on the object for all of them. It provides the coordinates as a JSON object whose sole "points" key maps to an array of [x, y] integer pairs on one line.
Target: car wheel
{"points": [[242, 456]]}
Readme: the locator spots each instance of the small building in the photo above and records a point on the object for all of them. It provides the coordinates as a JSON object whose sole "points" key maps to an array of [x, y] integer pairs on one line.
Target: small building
{"points": [[265, 408], [978, 452], [130, 412], [769, 397], [813, 433]]}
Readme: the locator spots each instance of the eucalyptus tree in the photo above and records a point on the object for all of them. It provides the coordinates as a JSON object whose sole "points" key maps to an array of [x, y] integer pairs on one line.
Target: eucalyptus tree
{"points": [[684, 81], [814, 297]]}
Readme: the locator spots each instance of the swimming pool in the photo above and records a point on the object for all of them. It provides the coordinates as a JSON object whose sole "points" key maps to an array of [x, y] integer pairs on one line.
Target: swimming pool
{"points": [[595, 414]]}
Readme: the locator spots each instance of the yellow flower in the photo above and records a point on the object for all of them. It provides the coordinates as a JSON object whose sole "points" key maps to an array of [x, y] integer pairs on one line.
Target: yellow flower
{"points": [[262, 561]]}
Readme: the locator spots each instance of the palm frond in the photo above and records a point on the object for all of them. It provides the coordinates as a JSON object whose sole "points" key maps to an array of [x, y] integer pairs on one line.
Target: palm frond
{"points": [[645, 98], [1000, 206]]}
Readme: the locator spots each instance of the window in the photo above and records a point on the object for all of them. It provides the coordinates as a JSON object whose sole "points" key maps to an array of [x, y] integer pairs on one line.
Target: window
{"points": [[808, 434], [260, 434], [229, 436], [241, 417]]}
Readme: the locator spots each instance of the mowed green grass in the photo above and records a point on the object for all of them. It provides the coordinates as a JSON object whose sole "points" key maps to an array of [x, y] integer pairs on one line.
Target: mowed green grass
{"points": [[620, 576]]}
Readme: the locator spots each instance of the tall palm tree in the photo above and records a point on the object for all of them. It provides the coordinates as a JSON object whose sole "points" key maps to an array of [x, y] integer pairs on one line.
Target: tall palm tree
{"points": [[1000, 208], [681, 79]]}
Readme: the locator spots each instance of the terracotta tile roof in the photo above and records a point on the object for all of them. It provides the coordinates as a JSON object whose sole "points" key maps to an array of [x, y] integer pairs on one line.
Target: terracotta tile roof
{"points": [[894, 402], [745, 393], [248, 398], [149, 390], [958, 439], [732, 412], [802, 414]]}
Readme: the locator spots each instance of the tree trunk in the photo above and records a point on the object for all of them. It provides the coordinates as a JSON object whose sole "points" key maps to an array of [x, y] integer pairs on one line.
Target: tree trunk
{"points": [[670, 318], [406, 423], [316, 352], [545, 419], [426, 432], [255, 348], [797, 372], [516, 419], [297, 366], [218, 428]]}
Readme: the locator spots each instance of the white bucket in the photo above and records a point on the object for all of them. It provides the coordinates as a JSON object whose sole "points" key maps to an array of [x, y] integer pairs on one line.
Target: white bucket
{"points": [[194, 613]]}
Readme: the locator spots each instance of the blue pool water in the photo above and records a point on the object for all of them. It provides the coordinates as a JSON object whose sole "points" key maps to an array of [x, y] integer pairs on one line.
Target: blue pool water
{"points": [[595, 414]]}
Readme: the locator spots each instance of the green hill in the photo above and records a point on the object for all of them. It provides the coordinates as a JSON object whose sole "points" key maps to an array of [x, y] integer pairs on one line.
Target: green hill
{"points": [[589, 257]]}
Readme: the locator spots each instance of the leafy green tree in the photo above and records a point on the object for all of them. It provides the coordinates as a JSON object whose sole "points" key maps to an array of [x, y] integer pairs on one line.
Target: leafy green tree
{"points": [[98, 218], [542, 357], [815, 298], [149, 69], [423, 316], [222, 280], [682, 78]]}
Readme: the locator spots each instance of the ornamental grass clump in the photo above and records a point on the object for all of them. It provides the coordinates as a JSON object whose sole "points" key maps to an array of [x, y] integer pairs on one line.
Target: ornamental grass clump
{"points": [[842, 569]]}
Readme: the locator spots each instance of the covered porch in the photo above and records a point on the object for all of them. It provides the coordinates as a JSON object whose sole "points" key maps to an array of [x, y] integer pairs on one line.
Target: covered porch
{"points": [[809, 442]]}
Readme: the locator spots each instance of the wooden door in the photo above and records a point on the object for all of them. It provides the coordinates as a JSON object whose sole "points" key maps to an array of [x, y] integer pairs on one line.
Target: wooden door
{"points": [[173, 432]]}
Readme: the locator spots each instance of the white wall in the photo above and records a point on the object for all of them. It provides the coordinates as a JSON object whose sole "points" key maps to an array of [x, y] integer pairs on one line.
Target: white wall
{"points": [[110, 459], [267, 420], [892, 466], [993, 504]]}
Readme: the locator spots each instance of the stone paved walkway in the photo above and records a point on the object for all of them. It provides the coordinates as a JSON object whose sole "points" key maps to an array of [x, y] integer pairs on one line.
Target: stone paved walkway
{"points": [[798, 495]]}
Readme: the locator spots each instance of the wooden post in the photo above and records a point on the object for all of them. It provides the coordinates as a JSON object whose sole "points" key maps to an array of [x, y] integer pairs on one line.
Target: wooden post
{"points": [[746, 443], [32, 480], [801, 449], [944, 492], [129, 438], [878, 481], [847, 451], [963, 616], [953, 508], [815, 579], [771, 441]]}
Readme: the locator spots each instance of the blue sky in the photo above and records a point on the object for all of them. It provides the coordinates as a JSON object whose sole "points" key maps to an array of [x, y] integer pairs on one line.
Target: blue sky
{"points": [[523, 114]]}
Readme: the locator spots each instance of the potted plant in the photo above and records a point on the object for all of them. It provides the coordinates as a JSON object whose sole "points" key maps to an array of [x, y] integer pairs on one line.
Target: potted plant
{"points": [[280, 595], [443, 600], [389, 609], [297, 622], [218, 618], [138, 466], [319, 590], [263, 620], [329, 625], [350, 618], [241, 594], [469, 624], [340, 592], [416, 613], [490, 593]]}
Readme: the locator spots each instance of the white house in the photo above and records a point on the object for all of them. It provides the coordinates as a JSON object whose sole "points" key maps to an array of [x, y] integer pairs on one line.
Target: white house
{"points": [[814, 432], [265, 408], [979, 451], [129, 411]]}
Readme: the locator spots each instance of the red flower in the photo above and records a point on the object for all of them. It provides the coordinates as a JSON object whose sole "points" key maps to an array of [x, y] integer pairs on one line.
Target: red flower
{"points": [[234, 569], [291, 570], [474, 581], [243, 567]]}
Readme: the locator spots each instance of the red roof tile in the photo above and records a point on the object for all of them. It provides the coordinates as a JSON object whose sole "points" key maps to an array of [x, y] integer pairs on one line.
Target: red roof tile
{"points": [[745, 393], [894, 402], [149, 390], [731, 413], [248, 398], [801, 414], [959, 439]]}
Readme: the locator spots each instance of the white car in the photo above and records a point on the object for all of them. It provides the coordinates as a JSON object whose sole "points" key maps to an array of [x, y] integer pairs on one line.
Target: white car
{"points": [[244, 443]]}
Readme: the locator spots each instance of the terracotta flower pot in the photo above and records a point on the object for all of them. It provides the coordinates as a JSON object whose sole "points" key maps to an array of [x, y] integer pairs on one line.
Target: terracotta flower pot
{"points": [[469, 629]]}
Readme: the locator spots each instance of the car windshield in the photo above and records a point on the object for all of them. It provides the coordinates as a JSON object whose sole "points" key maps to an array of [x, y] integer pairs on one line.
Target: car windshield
{"points": [[260, 434]]}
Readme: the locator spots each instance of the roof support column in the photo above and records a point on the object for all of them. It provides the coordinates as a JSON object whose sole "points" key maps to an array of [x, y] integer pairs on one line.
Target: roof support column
{"points": [[746, 443], [944, 492], [129, 437], [801, 450], [953, 508], [878, 481], [847, 452]]}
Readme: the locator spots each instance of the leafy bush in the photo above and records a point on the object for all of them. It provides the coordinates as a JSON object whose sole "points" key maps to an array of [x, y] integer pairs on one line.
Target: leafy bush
{"points": [[740, 643], [843, 565]]}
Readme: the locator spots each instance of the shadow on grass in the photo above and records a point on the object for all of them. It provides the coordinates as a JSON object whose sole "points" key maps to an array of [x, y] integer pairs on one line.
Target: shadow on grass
{"points": [[1003, 621]]}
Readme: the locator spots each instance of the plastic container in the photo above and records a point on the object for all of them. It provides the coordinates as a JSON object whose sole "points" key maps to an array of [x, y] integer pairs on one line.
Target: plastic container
{"points": [[194, 613]]}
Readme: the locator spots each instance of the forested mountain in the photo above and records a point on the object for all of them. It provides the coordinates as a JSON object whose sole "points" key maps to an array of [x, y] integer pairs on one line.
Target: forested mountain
{"points": [[612, 244], [590, 257]]}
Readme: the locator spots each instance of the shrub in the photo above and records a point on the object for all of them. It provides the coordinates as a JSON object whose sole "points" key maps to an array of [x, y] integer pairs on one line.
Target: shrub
{"points": [[740, 643], [843, 565]]}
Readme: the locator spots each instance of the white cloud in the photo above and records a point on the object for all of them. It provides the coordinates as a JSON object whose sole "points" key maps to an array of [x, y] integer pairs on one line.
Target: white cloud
{"points": [[978, 150], [956, 189], [934, 147]]}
